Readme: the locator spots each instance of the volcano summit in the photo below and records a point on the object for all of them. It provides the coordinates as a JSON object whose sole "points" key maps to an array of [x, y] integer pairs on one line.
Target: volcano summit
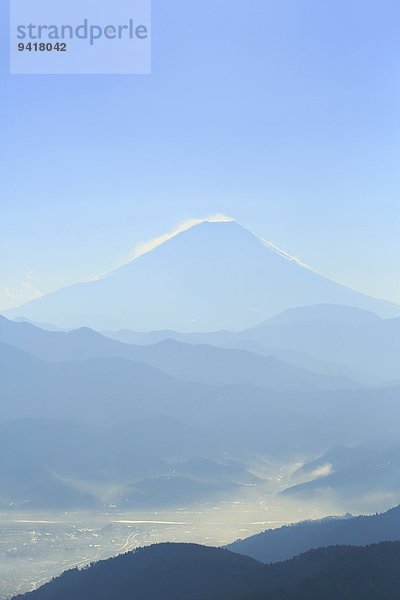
{"points": [[214, 275]]}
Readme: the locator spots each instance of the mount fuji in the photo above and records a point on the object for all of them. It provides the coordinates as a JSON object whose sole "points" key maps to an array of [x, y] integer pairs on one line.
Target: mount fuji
{"points": [[211, 276]]}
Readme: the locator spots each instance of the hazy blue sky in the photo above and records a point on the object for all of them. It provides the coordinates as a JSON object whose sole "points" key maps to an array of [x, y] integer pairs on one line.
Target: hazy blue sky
{"points": [[283, 114]]}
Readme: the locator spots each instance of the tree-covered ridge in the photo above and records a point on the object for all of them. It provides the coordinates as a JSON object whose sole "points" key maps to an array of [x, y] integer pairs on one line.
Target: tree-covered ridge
{"points": [[274, 545], [191, 572]]}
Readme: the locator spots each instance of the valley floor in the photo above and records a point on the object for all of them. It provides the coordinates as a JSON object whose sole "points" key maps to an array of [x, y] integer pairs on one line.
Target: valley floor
{"points": [[36, 547]]}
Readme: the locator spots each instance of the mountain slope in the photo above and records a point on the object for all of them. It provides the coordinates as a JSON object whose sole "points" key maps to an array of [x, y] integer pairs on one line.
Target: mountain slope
{"points": [[372, 466], [111, 390], [212, 276], [49, 464], [275, 545], [329, 339], [369, 348], [345, 315], [34, 488], [187, 362], [189, 572], [160, 572]]}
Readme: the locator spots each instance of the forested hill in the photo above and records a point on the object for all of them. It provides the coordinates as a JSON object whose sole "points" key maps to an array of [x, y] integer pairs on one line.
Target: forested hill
{"points": [[190, 572], [285, 542]]}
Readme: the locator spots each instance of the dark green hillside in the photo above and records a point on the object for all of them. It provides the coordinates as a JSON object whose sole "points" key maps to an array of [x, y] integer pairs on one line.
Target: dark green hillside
{"points": [[190, 572], [160, 572], [285, 542]]}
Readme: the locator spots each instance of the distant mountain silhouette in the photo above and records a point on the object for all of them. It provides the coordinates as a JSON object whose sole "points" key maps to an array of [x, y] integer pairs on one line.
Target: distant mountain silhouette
{"points": [[47, 326], [237, 400], [111, 390], [370, 467], [326, 339], [342, 314], [186, 362], [286, 542], [210, 277], [315, 338], [372, 348], [29, 487], [45, 464], [111, 386], [208, 470], [189, 572]]}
